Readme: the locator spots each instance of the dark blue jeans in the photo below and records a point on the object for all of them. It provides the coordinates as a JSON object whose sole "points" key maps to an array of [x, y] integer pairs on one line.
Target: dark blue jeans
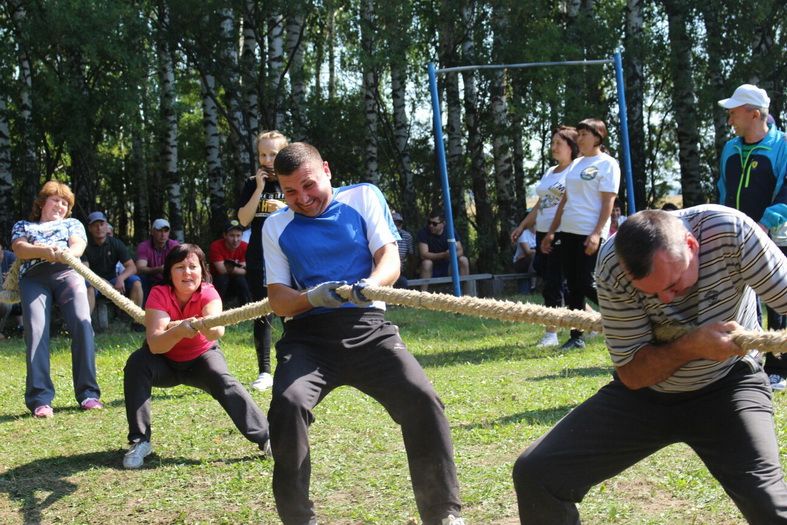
{"points": [[729, 424], [356, 347]]}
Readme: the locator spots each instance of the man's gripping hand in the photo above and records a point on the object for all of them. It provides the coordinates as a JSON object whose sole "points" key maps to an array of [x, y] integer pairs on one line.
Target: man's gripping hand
{"points": [[324, 294], [357, 297]]}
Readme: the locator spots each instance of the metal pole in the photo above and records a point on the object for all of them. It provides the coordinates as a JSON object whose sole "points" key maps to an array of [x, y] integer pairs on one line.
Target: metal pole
{"points": [[624, 132], [440, 148]]}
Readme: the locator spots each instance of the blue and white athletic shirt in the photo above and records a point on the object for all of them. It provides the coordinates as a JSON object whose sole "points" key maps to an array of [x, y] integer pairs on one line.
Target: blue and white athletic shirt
{"points": [[338, 245]]}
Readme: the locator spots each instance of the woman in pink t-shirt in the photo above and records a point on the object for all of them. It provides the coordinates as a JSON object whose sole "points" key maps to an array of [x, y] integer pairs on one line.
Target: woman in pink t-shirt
{"points": [[177, 352]]}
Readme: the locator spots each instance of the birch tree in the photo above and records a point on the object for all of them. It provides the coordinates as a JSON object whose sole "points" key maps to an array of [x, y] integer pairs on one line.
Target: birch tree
{"points": [[169, 120], [684, 102], [635, 92], [484, 215], [370, 87], [6, 178]]}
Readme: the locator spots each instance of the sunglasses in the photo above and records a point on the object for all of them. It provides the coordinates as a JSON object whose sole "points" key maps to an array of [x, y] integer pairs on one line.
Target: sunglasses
{"points": [[435, 223]]}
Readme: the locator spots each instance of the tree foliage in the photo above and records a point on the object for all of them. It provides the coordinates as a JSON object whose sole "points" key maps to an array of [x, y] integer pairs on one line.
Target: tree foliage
{"points": [[83, 100]]}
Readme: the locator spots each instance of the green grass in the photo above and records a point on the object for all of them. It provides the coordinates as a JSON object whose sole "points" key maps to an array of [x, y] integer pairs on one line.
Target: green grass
{"points": [[500, 392]]}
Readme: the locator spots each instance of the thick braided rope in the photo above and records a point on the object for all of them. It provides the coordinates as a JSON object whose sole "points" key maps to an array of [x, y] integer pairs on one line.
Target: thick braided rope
{"points": [[10, 292], [770, 341], [106, 289]]}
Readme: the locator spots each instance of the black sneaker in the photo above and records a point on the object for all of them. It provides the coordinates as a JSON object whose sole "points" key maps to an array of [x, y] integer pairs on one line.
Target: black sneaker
{"points": [[574, 342]]}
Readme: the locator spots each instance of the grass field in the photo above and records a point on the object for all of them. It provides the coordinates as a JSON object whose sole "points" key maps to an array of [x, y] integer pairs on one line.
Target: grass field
{"points": [[501, 393]]}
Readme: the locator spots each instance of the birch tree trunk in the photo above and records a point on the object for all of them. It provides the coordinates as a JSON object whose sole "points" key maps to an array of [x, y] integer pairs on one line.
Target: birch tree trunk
{"points": [[370, 86], [635, 93], [216, 198], [27, 165], [273, 114], [710, 11], [402, 138], [169, 118], [501, 144], [248, 65], [295, 47], [6, 178], [241, 142], [684, 103], [484, 216], [449, 46]]}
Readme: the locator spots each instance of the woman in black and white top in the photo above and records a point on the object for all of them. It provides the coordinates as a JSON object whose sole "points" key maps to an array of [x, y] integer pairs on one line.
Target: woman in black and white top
{"points": [[583, 217], [550, 192]]}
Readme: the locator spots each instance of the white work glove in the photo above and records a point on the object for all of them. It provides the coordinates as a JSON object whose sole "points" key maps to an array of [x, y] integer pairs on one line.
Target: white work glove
{"points": [[324, 294], [357, 297]]}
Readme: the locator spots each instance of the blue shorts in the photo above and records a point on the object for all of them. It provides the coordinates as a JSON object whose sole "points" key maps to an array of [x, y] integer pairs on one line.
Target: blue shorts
{"points": [[128, 283]]}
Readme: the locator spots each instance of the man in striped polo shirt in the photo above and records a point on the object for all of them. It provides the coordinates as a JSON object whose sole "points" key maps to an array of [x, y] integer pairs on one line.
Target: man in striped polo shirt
{"points": [[698, 268]]}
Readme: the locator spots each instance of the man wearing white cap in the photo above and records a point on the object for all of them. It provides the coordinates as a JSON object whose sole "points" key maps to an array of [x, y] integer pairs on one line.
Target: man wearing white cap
{"points": [[151, 254], [753, 169]]}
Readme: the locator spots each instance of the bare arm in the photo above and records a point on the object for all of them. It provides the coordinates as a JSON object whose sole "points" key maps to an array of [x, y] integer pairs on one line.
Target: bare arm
{"points": [[129, 269], [212, 308], [655, 363], [459, 250], [423, 251], [546, 243], [246, 213], [527, 222], [286, 301], [162, 334], [593, 241], [24, 249], [386, 265], [76, 245]]}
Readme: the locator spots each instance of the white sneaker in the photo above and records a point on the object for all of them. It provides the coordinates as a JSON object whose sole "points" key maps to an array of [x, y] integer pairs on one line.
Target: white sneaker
{"points": [[549, 339], [263, 382], [136, 455], [452, 520], [778, 383]]}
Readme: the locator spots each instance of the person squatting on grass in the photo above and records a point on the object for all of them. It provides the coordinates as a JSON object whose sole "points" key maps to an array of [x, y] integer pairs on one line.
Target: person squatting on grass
{"points": [[323, 240], [699, 268], [261, 196], [44, 279], [177, 353]]}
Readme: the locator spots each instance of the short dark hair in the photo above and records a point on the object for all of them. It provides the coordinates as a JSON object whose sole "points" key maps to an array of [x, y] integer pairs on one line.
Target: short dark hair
{"points": [[293, 156], [179, 253], [569, 136], [642, 235], [437, 213], [596, 127]]}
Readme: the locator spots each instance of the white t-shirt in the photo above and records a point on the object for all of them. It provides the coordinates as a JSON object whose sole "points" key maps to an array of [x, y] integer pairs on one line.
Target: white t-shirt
{"points": [[549, 190], [586, 178], [528, 238]]}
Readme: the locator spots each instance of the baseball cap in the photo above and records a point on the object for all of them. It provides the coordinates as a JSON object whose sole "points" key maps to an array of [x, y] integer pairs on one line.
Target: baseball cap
{"points": [[232, 225], [746, 94], [96, 216], [160, 224], [397, 216]]}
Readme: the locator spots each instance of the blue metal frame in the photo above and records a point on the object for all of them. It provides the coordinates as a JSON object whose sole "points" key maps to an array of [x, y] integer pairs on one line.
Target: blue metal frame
{"points": [[440, 146]]}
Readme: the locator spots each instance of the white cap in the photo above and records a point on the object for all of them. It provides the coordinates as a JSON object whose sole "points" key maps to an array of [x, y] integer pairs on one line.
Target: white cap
{"points": [[160, 224], [746, 94]]}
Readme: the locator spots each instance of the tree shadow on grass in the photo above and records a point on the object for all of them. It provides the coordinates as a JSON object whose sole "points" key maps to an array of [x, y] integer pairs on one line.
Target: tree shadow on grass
{"points": [[542, 416], [107, 404], [587, 371], [41, 483], [509, 353]]}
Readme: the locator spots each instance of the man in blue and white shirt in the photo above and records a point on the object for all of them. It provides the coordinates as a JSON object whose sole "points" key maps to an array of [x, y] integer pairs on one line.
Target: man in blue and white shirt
{"points": [[324, 239], [698, 268]]}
